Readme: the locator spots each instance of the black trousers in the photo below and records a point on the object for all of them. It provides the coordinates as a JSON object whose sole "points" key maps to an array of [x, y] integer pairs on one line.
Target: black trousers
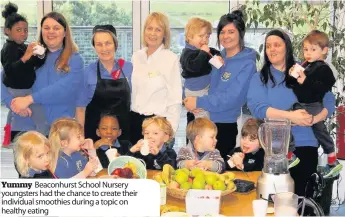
{"points": [[226, 137], [136, 126], [227, 133], [14, 134], [307, 166], [319, 129]]}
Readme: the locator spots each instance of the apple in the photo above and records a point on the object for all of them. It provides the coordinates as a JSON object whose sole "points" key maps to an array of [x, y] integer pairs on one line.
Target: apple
{"points": [[186, 186], [117, 172], [126, 173], [195, 171], [219, 185], [208, 187], [181, 177], [198, 183], [210, 179], [173, 184]]}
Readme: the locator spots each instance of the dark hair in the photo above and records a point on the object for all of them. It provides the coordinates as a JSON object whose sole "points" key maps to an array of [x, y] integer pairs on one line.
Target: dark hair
{"points": [[235, 17], [250, 128], [11, 16], [265, 73], [104, 115]]}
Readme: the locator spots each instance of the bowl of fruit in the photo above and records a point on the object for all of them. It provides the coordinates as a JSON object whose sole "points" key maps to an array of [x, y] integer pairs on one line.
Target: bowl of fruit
{"points": [[127, 167], [180, 181]]}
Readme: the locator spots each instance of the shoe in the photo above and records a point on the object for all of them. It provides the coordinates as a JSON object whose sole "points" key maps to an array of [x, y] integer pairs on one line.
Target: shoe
{"points": [[332, 169], [293, 161], [7, 136]]}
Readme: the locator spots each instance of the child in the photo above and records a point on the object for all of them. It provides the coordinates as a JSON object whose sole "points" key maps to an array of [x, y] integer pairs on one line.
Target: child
{"points": [[33, 156], [249, 156], [109, 130], [66, 137], [201, 150], [19, 62], [157, 131], [195, 58], [311, 86]]}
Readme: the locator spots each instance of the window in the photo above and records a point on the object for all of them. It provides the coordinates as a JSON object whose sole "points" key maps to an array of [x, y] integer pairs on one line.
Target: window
{"points": [[83, 15], [179, 12], [28, 9]]}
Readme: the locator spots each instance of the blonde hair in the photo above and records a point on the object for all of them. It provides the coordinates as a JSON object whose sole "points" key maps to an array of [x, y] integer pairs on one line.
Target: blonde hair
{"points": [[163, 22], [24, 147], [195, 25], [61, 130], [69, 46], [198, 127], [162, 123]]}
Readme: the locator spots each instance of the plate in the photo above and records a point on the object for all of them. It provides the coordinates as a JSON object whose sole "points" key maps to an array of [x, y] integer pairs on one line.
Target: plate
{"points": [[176, 214]]}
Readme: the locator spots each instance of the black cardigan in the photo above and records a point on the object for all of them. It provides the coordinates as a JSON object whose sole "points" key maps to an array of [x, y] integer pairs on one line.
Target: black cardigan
{"points": [[195, 63], [18, 75], [319, 80]]}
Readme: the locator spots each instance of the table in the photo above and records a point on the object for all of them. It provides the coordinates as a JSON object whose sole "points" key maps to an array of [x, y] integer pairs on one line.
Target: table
{"points": [[234, 204]]}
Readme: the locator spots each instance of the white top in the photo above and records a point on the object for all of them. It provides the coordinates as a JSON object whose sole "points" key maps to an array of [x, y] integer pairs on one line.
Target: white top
{"points": [[156, 84]]}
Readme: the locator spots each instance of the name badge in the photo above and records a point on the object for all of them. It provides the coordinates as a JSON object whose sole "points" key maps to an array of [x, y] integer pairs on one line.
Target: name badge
{"points": [[153, 74]]}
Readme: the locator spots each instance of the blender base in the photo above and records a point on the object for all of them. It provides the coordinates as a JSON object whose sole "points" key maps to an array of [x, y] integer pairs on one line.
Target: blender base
{"points": [[270, 184]]}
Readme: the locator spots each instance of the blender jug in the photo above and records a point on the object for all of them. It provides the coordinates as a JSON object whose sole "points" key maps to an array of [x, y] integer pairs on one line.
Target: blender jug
{"points": [[274, 137], [286, 204]]}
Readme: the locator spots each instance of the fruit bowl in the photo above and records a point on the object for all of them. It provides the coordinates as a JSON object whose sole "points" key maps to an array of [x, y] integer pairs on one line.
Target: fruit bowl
{"points": [[182, 193], [121, 161]]}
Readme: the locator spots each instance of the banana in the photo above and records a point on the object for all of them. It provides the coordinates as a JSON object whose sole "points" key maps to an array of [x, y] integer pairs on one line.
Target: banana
{"points": [[167, 173], [131, 166]]}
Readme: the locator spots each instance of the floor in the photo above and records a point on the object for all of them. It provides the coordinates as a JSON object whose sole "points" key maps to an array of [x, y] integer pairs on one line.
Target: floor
{"points": [[7, 168]]}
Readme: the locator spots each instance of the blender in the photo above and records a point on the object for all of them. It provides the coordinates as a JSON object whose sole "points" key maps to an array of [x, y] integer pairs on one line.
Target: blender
{"points": [[274, 137]]}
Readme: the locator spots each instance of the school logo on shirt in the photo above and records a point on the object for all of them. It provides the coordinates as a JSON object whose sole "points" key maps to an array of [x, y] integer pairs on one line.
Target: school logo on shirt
{"points": [[251, 161], [226, 76], [156, 165], [79, 165]]}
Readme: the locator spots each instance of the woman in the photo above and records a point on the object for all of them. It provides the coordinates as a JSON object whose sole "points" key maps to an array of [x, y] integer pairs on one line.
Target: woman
{"points": [[57, 80], [107, 87], [156, 81], [229, 84], [269, 96]]}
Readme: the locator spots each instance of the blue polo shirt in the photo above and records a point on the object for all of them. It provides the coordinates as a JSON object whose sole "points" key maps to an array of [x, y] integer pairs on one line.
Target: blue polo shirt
{"points": [[90, 80], [69, 166]]}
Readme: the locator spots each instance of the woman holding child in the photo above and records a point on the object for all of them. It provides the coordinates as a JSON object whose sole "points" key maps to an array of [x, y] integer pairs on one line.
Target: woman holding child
{"points": [[229, 84], [156, 81], [106, 86], [57, 80], [270, 97]]}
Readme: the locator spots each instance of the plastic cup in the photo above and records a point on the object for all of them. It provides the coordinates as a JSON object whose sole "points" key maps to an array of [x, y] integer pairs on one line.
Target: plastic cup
{"points": [[111, 154], [99, 167], [145, 149], [215, 62], [260, 207], [296, 69], [163, 194]]}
